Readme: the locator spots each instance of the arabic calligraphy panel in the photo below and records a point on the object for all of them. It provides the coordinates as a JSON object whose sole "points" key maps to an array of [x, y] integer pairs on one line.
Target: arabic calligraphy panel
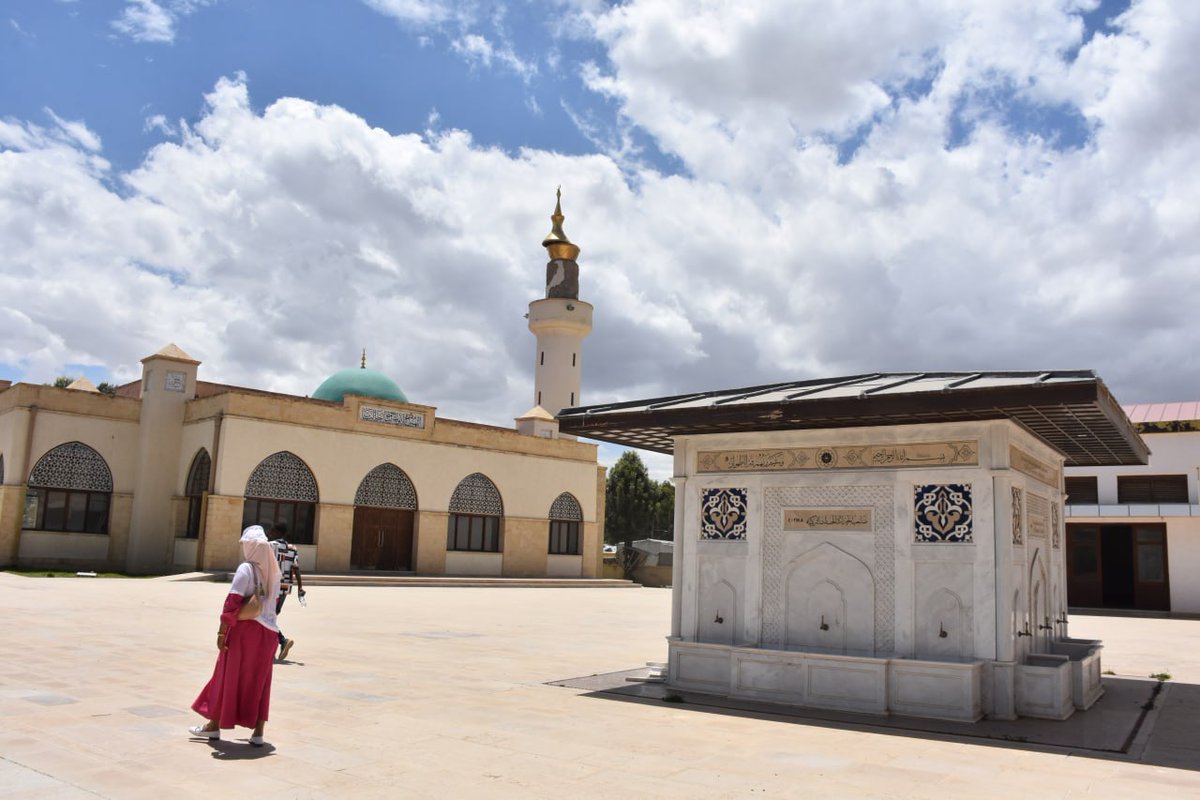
{"points": [[871, 456]]}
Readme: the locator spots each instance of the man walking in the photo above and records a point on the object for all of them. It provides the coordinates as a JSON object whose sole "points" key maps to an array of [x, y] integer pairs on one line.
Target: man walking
{"points": [[289, 570]]}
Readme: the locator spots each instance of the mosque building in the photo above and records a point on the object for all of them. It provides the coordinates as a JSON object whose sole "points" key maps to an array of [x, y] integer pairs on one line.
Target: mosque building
{"points": [[163, 476]]}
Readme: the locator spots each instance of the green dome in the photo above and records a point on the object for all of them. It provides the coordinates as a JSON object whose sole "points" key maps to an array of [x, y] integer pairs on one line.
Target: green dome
{"points": [[362, 381]]}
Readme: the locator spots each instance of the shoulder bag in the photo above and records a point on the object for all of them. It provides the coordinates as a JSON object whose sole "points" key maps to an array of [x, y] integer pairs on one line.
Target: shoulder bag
{"points": [[252, 606]]}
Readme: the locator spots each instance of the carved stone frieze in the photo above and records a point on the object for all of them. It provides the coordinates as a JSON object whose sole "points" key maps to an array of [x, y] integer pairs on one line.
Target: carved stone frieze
{"points": [[871, 456]]}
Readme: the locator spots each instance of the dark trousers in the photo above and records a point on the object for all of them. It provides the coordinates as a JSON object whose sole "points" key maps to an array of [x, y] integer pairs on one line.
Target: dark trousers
{"points": [[278, 608]]}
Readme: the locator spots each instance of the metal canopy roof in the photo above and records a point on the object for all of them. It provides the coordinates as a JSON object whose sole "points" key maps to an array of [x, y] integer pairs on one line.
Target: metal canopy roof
{"points": [[1070, 410]]}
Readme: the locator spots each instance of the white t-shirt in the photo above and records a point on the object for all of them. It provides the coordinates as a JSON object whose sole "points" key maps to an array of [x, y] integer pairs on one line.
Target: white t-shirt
{"points": [[243, 584]]}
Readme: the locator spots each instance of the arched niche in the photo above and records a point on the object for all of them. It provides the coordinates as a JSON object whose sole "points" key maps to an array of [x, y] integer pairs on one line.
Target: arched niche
{"points": [[829, 602]]}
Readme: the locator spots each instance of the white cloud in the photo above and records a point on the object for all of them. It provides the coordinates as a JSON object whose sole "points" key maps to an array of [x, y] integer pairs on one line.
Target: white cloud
{"points": [[420, 12], [275, 244], [155, 21], [146, 21], [479, 50]]}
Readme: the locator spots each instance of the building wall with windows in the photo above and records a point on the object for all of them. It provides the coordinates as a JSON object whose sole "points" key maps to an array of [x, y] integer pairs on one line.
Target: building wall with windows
{"points": [[1133, 533], [242, 456]]}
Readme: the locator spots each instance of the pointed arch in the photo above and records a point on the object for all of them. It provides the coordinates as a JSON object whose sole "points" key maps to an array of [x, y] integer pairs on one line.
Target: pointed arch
{"points": [[282, 476], [282, 489], [195, 489], [386, 486], [73, 465], [476, 512], [198, 474], [476, 494], [566, 517], [70, 490]]}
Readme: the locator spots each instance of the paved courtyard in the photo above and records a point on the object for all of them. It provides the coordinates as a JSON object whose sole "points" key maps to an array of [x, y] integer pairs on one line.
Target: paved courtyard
{"points": [[442, 692]]}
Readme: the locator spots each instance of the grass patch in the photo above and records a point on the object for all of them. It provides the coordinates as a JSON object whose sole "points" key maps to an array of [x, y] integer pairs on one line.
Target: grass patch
{"points": [[62, 573]]}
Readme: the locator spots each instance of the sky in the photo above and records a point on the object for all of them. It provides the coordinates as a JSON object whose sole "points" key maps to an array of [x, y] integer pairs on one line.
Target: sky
{"points": [[762, 192]]}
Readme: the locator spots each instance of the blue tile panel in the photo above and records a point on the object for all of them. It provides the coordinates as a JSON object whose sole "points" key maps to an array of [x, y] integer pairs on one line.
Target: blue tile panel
{"points": [[723, 514], [943, 513]]}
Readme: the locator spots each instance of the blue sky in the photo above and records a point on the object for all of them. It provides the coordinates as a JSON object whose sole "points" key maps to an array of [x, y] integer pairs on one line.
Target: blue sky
{"points": [[394, 74], [763, 192]]}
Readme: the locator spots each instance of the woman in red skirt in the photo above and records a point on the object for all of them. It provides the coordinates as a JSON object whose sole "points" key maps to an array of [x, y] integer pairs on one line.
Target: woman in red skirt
{"points": [[239, 692]]}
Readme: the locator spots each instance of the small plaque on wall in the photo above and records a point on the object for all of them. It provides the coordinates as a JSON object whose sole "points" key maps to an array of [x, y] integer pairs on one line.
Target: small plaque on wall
{"points": [[391, 416], [827, 519], [176, 381]]}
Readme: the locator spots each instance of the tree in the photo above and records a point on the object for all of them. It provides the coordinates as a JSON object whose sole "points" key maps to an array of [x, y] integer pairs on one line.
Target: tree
{"points": [[664, 511], [63, 381], [104, 387], [629, 500]]}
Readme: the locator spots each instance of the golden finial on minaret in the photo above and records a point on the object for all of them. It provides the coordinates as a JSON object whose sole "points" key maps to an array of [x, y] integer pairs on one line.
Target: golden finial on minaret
{"points": [[364, 359], [556, 240]]}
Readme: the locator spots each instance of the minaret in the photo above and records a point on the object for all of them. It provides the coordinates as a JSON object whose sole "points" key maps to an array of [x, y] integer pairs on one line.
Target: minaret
{"points": [[560, 320]]}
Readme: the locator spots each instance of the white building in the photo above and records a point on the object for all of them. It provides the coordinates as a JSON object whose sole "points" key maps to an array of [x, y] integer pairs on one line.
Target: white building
{"points": [[879, 543], [1133, 532]]}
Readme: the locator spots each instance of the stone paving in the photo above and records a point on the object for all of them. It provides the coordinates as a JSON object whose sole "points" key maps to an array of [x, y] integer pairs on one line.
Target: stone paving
{"points": [[443, 692]]}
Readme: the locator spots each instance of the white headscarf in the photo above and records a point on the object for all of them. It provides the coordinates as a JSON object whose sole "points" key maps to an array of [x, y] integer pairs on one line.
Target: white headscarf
{"points": [[258, 551]]}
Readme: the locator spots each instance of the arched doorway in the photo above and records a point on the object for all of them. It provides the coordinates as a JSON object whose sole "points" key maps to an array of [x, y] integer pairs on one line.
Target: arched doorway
{"points": [[385, 507]]}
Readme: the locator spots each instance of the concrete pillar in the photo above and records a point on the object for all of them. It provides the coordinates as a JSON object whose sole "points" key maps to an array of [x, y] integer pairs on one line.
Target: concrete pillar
{"points": [[430, 534], [526, 547], [335, 528], [168, 382]]}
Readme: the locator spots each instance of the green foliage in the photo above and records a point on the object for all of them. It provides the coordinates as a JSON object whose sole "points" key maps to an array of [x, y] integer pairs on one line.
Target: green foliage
{"points": [[628, 500], [110, 389], [664, 511], [636, 507], [63, 381], [1161, 676]]}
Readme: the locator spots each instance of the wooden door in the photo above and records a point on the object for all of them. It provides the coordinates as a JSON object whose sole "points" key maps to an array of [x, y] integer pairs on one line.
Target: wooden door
{"points": [[396, 535], [365, 542], [1084, 586], [382, 539], [1151, 590]]}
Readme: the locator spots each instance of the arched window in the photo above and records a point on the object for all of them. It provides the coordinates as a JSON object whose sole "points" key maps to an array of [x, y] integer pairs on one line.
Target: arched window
{"points": [[282, 489], [70, 489], [386, 486], [197, 485], [475, 513], [566, 516]]}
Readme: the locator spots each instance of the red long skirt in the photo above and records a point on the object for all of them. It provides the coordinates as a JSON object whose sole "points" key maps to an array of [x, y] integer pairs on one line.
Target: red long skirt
{"points": [[239, 692]]}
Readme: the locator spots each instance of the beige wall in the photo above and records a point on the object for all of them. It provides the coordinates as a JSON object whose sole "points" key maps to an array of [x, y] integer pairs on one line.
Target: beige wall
{"points": [[12, 506], [119, 512], [430, 534], [528, 484], [335, 525], [338, 447], [526, 545], [223, 530], [115, 441]]}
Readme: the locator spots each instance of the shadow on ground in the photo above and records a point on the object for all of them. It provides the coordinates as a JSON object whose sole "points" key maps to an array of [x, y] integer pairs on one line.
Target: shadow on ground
{"points": [[1122, 725]]}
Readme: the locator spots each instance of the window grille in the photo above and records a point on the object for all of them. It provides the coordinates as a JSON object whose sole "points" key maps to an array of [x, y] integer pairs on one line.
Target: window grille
{"points": [[386, 486], [566, 507], [476, 494], [282, 476], [72, 466]]}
